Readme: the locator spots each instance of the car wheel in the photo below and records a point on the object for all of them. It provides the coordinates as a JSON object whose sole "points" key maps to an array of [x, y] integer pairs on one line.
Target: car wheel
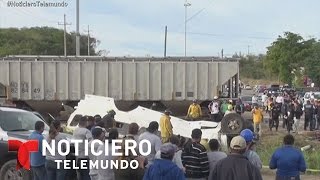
{"points": [[9, 172], [232, 124]]}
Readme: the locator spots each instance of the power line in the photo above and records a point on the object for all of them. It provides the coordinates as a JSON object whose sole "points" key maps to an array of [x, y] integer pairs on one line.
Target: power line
{"points": [[224, 35]]}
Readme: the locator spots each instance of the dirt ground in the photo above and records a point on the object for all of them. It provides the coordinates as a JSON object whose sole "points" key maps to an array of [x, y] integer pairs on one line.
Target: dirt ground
{"points": [[268, 174]]}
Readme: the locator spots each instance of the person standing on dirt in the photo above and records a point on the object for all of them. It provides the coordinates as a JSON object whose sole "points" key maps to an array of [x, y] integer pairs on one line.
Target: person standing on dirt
{"points": [[214, 109], [288, 161], [268, 108], [194, 111], [264, 99], [257, 120], [37, 160], [252, 156], [239, 107], [254, 100], [298, 113], [230, 110], [284, 111], [308, 115], [194, 158], [291, 115], [165, 127], [236, 166], [280, 99], [274, 117], [224, 107], [318, 115], [314, 120]]}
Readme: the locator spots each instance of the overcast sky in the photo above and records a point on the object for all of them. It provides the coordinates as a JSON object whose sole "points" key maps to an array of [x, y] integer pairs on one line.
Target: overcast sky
{"points": [[136, 27]]}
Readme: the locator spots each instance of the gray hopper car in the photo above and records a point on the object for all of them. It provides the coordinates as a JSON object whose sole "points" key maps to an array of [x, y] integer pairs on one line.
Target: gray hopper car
{"points": [[171, 82]]}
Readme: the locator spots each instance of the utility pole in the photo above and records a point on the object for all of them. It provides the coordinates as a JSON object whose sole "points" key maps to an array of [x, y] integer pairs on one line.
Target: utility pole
{"points": [[222, 53], [88, 41], [165, 41], [77, 33], [186, 5], [248, 50], [64, 34]]}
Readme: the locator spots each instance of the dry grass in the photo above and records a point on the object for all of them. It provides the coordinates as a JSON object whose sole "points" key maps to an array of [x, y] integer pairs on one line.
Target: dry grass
{"points": [[270, 141]]}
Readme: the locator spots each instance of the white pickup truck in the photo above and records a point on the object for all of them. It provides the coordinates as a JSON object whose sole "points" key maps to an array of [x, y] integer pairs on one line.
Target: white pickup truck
{"points": [[93, 105]]}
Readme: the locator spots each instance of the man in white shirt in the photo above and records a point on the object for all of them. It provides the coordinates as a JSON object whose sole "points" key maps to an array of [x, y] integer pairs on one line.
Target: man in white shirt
{"points": [[107, 174], [98, 133], [280, 99], [82, 133], [155, 141], [264, 98], [254, 100], [214, 108]]}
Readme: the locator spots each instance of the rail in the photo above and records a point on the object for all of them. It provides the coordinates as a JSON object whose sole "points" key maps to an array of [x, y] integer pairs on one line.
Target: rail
{"points": [[125, 59]]}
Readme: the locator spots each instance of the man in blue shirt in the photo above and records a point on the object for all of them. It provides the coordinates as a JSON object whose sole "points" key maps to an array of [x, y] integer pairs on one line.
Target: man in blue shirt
{"points": [[288, 161], [37, 161]]}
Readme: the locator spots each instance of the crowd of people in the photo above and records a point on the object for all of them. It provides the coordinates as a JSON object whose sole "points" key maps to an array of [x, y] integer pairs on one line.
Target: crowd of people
{"points": [[285, 106], [290, 109], [172, 157]]}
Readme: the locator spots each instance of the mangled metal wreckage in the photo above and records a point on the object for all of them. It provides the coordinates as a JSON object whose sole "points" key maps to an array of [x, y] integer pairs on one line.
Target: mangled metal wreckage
{"points": [[92, 105]]}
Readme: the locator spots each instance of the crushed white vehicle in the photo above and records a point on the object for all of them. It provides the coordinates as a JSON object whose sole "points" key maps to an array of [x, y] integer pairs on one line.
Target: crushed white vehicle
{"points": [[93, 105]]}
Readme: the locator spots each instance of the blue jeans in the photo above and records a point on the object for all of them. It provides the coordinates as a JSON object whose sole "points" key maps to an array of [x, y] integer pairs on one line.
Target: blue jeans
{"points": [[53, 173], [39, 172], [287, 177]]}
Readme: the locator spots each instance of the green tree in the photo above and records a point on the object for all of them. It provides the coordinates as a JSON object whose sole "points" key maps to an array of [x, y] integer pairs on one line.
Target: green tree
{"points": [[252, 67], [41, 41], [286, 54], [312, 64]]}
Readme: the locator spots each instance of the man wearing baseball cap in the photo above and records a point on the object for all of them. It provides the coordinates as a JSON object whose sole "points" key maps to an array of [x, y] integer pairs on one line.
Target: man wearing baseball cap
{"points": [[252, 156], [236, 166], [214, 108], [166, 126], [194, 111], [164, 168]]}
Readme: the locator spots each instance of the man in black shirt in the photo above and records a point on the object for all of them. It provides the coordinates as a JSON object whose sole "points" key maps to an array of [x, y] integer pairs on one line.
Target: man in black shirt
{"points": [[274, 116], [236, 166], [194, 158], [308, 115], [318, 114]]}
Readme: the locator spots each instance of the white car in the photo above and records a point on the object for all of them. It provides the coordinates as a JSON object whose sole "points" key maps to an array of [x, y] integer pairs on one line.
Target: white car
{"points": [[93, 105], [247, 87], [310, 95]]}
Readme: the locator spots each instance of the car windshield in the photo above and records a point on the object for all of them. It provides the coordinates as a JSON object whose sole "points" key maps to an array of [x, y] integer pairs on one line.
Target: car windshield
{"points": [[246, 98], [316, 95], [15, 121]]}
